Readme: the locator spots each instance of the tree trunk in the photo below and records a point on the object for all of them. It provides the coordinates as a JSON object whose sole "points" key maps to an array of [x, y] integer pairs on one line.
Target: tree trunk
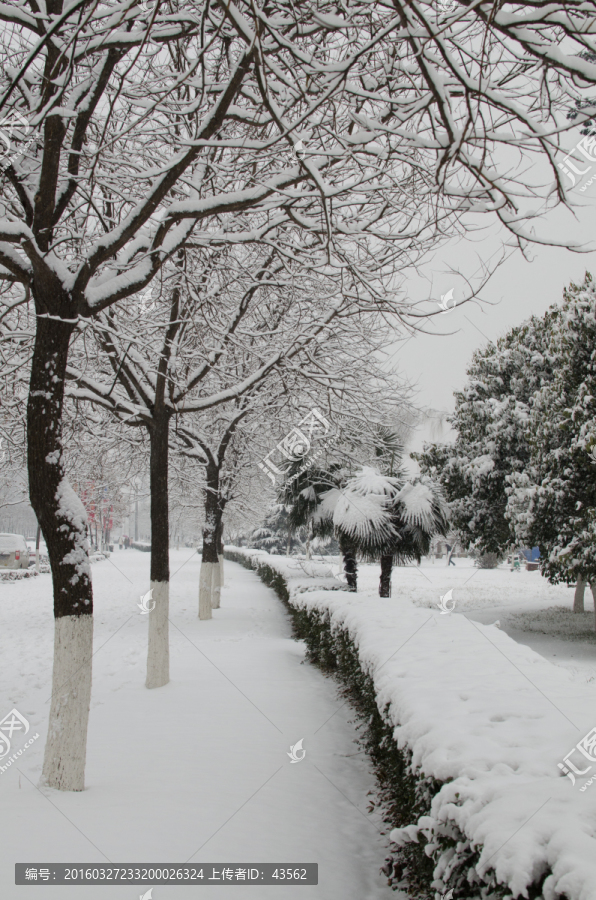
{"points": [[158, 650], [348, 552], [385, 581], [578, 597], [209, 557], [216, 585], [37, 537], [63, 522], [220, 553]]}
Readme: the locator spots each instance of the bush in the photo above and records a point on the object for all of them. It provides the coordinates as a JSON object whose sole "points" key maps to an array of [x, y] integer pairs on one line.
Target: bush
{"points": [[487, 560]]}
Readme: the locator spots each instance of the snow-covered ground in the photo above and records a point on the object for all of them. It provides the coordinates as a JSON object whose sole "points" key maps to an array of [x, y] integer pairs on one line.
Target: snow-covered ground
{"points": [[528, 608], [197, 770]]}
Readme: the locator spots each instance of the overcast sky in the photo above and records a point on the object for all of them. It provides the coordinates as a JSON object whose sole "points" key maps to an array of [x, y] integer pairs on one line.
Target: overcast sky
{"points": [[436, 363]]}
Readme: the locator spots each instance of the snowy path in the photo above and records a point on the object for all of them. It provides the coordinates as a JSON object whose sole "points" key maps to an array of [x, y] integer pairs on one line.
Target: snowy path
{"points": [[196, 770]]}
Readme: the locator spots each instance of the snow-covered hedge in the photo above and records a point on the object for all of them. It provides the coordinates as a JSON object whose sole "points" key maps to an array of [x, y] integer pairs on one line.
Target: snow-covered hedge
{"points": [[465, 728], [18, 574]]}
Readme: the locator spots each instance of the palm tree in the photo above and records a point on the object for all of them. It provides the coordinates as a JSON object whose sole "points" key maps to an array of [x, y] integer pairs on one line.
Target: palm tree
{"points": [[389, 517], [311, 496], [376, 515]]}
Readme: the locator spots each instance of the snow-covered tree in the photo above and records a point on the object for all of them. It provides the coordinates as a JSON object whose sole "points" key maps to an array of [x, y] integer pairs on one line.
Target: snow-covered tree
{"points": [[386, 517], [274, 534], [492, 421], [553, 502]]}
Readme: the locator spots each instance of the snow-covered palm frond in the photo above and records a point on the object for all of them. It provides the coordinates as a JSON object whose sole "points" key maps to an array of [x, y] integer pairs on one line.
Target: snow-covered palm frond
{"points": [[416, 502], [309, 494], [421, 504], [364, 517], [369, 481], [326, 508]]}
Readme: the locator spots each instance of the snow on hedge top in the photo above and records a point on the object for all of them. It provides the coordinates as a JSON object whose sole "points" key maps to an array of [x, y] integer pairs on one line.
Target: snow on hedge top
{"points": [[489, 718]]}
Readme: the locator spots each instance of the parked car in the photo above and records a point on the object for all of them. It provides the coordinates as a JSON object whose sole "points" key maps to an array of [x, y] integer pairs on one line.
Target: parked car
{"points": [[14, 553]]}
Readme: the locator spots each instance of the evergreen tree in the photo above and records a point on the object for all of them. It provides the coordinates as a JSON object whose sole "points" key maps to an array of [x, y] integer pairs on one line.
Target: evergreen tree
{"points": [[553, 503], [492, 420], [275, 534]]}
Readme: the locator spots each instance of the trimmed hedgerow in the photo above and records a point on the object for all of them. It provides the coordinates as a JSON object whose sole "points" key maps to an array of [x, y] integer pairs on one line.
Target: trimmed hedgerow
{"points": [[403, 795]]}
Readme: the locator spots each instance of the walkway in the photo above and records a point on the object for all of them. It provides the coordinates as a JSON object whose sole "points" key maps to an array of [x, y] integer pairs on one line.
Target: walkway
{"points": [[197, 771]]}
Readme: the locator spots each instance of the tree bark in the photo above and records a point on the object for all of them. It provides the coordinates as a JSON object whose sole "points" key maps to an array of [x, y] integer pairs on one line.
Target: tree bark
{"points": [[385, 580], [63, 522], [578, 597], [216, 585], [158, 650], [209, 558], [348, 552], [37, 537], [220, 550]]}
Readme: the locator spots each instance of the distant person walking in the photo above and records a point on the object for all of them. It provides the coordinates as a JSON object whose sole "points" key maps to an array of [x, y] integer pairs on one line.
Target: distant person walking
{"points": [[449, 555]]}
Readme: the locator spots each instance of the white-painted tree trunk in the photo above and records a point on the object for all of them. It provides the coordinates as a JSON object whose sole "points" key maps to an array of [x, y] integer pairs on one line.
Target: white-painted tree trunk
{"points": [[215, 585], [221, 571], [158, 651], [66, 746], [205, 582]]}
